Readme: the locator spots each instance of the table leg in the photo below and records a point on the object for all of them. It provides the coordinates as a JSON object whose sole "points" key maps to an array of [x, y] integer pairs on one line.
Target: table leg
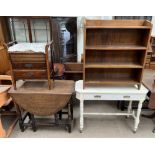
{"points": [[2, 131], [129, 108], [70, 120], [137, 119], [81, 115]]}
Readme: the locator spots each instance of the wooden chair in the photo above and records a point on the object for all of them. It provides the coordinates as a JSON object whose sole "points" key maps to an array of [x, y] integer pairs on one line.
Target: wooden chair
{"points": [[5, 99], [32, 65]]}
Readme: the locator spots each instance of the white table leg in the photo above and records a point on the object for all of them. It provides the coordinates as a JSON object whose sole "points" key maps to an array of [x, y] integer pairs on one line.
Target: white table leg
{"points": [[137, 119], [129, 108], [81, 115]]}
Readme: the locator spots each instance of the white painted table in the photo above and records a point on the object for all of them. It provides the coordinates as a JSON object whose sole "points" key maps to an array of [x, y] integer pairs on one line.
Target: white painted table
{"points": [[130, 93]]}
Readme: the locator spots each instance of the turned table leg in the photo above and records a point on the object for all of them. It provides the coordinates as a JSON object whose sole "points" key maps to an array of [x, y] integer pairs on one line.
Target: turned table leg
{"points": [[129, 108], [137, 119], [81, 115]]}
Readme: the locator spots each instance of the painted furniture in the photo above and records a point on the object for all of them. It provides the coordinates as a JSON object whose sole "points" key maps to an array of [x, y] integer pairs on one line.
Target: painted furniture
{"points": [[35, 99], [130, 93], [115, 52]]}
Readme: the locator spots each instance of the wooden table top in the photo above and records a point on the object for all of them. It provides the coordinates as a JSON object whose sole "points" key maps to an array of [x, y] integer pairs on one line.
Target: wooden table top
{"points": [[41, 87]]}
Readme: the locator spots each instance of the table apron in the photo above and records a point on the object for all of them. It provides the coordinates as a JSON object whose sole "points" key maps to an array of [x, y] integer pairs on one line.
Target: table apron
{"points": [[98, 96]]}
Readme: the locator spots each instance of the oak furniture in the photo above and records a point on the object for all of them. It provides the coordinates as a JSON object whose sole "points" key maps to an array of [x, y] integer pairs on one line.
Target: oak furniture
{"points": [[5, 99], [115, 93], [31, 61], [36, 100], [115, 52], [73, 71]]}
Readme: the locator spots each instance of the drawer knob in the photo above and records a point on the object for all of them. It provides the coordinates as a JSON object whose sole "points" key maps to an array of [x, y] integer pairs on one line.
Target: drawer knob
{"points": [[97, 96], [126, 96]]}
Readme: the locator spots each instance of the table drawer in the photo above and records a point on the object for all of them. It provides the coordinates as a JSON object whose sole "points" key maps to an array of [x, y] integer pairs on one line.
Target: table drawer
{"points": [[122, 97]]}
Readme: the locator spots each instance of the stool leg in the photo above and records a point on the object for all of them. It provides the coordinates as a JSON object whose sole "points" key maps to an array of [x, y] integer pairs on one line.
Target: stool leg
{"points": [[137, 119], [129, 108]]}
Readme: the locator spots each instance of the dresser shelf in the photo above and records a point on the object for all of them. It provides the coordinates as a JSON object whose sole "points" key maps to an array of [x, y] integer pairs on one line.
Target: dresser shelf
{"points": [[115, 47], [112, 65], [111, 82], [115, 51]]}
